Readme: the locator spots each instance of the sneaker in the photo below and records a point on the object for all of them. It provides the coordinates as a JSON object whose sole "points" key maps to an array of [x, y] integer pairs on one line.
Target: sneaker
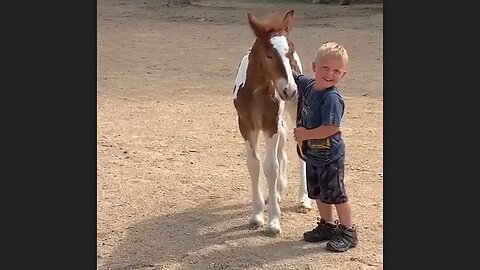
{"points": [[323, 231], [345, 239]]}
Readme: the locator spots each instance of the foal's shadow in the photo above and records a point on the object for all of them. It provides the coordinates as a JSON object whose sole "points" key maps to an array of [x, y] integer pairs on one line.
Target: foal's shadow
{"points": [[195, 240]]}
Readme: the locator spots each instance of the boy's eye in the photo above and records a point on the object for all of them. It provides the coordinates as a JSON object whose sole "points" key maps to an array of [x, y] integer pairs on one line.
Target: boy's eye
{"points": [[337, 71]]}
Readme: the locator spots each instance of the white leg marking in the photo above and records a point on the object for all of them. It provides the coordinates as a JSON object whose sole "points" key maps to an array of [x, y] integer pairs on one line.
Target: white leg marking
{"points": [[253, 165], [271, 170], [305, 202], [282, 160]]}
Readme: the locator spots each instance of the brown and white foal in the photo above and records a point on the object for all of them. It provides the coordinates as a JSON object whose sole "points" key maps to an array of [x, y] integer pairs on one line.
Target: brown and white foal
{"points": [[264, 86]]}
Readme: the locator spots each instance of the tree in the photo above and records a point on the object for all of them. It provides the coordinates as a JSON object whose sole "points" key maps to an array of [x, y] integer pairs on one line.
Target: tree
{"points": [[178, 3]]}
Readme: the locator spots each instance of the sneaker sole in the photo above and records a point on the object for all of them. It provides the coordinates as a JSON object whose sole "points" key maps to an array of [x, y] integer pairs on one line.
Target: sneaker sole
{"points": [[335, 250]]}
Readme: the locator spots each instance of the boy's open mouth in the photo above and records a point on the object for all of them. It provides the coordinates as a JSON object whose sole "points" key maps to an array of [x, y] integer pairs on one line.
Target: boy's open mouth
{"points": [[328, 80]]}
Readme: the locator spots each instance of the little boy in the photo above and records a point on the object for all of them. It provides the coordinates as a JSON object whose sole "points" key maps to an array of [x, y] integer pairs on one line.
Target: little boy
{"points": [[320, 144]]}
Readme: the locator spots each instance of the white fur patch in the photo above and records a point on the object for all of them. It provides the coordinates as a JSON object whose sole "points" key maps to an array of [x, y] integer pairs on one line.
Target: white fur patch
{"points": [[241, 75], [280, 44], [299, 63]]}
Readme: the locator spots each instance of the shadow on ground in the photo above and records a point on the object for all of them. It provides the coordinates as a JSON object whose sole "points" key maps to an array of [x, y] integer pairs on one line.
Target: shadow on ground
{"points": [[201, 239]]}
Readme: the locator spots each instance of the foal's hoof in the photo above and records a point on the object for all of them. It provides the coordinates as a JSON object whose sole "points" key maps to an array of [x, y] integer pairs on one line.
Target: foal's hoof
{"points": [[303, 210], [305, 206], [255, 224], [273, 230]]}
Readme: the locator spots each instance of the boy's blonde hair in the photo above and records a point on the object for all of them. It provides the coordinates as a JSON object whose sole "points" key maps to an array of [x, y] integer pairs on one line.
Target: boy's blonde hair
{"points": [[334, 49]]}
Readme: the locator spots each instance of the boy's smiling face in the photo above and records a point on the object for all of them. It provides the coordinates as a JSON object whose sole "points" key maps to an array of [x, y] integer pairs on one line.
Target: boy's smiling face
{"points": [[328, 71]]}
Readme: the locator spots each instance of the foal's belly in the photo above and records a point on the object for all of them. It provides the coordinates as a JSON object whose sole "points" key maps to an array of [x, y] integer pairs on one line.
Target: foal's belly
{"points": [[260, 114]]}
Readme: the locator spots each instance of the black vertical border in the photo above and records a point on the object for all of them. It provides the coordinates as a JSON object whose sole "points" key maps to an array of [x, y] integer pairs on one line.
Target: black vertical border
{"points": [[430, 133], [48, 127]]}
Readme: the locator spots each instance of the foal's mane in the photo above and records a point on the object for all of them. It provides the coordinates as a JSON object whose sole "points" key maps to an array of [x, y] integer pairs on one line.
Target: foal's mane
{"points": [[274, 23]]}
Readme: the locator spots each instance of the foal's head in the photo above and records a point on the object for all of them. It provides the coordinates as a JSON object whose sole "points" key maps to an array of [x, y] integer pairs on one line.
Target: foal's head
{"points": [[276, 51]]}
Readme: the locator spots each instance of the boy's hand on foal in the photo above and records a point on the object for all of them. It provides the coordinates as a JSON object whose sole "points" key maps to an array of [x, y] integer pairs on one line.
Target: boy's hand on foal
{"points": [[300, 134]]}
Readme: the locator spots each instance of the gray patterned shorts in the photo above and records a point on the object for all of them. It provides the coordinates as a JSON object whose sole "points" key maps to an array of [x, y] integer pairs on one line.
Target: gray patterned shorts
{"points": [[325, 183]]}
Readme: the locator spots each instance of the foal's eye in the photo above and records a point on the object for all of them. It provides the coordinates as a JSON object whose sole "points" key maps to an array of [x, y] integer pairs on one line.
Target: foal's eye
{"points": [[269, 56]]}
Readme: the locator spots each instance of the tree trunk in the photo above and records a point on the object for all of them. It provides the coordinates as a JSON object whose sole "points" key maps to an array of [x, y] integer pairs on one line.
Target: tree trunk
{"points": [[171, 3]]}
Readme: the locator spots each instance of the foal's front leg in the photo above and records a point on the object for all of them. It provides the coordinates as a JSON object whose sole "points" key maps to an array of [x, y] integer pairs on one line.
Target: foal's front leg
{"points": [[253, 164], [271, 170], [282, 179]]}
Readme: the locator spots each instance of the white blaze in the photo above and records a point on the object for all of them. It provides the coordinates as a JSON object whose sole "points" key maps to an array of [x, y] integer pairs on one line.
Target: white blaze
{"points": [[280, 44]]}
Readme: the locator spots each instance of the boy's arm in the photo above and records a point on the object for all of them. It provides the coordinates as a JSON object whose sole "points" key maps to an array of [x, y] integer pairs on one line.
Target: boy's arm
{"points": [[295, 74], [302, 81], [296, 78], [323, 131], [320, 132], [332, 111]]}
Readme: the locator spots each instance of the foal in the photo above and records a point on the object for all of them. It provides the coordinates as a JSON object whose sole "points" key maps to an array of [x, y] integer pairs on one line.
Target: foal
{"points": [[263, 84]]}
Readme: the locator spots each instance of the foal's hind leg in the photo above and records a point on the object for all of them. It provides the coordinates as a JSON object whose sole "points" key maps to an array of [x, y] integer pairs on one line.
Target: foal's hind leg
{"points": [[305, 203], [253, 164], [271, 170]]}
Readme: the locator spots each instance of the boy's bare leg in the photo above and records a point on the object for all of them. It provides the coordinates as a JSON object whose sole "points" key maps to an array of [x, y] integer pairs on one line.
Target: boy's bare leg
{"points": [[346, 237], [326, 211], [344, 212]]}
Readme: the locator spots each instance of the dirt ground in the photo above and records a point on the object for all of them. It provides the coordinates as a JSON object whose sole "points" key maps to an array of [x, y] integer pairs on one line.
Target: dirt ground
{"points": [[173, 189]]}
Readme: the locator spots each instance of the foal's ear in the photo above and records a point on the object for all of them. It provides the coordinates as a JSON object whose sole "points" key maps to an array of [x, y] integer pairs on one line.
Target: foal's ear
{"points": [[257, 27], [289, 20]]}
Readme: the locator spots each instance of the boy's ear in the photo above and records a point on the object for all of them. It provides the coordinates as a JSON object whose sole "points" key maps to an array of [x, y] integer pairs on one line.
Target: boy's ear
{"points": [[313, 66], [344, 74]]}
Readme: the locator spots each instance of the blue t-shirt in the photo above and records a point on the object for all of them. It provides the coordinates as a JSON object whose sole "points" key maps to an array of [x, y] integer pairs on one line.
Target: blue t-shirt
{"points": [[317, 108]]}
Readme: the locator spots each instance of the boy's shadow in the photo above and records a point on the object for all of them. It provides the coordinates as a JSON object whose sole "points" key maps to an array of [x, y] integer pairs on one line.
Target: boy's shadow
{"points": [[193, 240]]}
